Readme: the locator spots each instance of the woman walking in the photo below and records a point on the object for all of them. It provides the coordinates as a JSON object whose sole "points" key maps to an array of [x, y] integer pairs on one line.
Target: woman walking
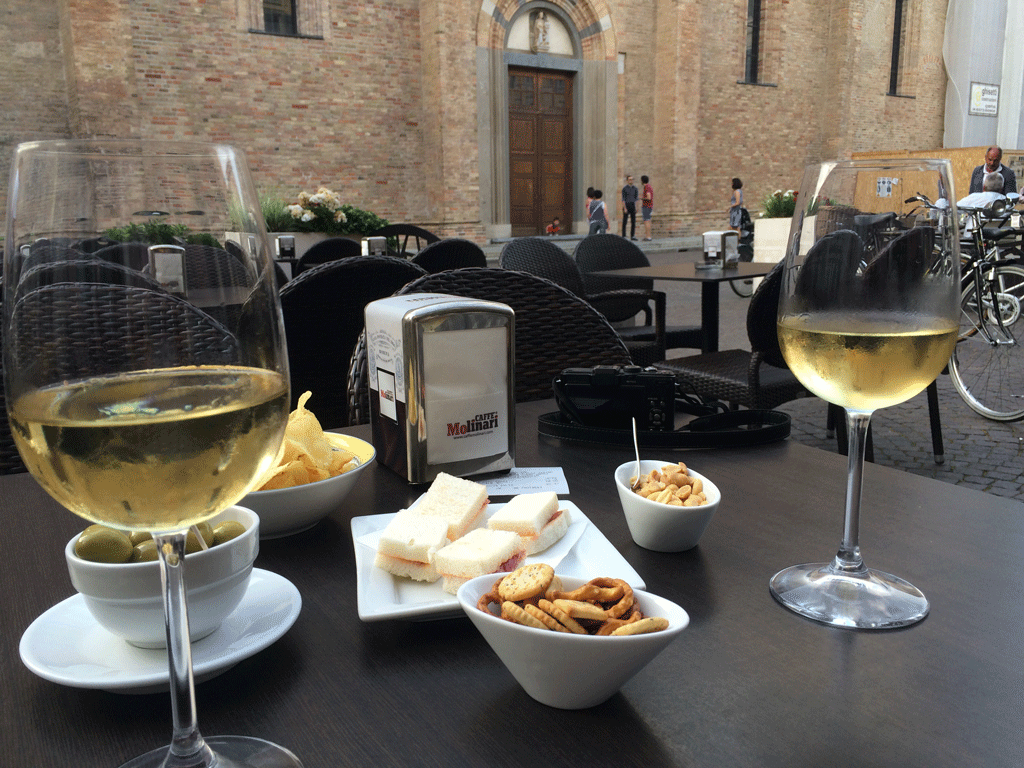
{"points": [[736, 205]]}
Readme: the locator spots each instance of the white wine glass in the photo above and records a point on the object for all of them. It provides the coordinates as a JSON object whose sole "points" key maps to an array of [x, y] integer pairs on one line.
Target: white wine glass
{"points": [[868, 316], [144, 360]]}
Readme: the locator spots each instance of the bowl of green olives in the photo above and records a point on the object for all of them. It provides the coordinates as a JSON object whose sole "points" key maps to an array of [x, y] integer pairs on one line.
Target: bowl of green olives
{"points": [[120, 584]]}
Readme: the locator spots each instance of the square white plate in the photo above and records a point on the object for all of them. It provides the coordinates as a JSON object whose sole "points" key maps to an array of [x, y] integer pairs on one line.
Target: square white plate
{"points": [[583, 552]]}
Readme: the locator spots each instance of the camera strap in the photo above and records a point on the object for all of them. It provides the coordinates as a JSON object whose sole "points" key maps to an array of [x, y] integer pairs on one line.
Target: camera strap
{"points": [[732, 429]]}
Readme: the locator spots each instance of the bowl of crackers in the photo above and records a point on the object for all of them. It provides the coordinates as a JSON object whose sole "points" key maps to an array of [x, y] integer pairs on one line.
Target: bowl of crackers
{"points": [[314, 472], [672, 506], [570, 643]]}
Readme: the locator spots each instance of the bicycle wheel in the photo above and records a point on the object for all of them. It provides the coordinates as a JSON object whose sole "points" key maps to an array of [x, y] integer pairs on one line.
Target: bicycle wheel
{"points": [[743, 288], [987, 365]]}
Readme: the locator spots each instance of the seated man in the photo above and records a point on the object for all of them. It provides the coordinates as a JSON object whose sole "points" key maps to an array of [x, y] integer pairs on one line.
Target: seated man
{"points": [[992, 191], [554, 227]]}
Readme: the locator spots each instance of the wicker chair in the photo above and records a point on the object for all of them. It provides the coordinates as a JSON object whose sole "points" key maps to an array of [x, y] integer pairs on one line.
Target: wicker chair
{"points": [[450, 253], [554, 330], [84, 271], [133, 255], [398, 239], [755, 379], [331, 249], [323, 318], [10, 459], [543, 258], [600, 252]]}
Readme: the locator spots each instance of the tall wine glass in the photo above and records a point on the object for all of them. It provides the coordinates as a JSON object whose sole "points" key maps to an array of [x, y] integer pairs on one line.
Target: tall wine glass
{"points": [[868, 317], [144, 359]]}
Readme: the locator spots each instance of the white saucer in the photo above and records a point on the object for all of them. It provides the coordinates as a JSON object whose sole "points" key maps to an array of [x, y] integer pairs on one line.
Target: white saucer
{"points": [[67, 646]]}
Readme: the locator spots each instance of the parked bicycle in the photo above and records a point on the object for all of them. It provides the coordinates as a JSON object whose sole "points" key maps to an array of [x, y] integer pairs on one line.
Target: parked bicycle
{"points": [[987, 364], [745, 288]]}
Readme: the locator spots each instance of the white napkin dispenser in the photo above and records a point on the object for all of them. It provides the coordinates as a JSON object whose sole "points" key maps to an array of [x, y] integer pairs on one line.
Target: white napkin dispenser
{"points": [[441, 377], [721, 246]]}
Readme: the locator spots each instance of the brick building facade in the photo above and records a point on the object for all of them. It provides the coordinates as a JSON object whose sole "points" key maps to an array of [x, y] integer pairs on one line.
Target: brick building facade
{"points": [[403, 105]]}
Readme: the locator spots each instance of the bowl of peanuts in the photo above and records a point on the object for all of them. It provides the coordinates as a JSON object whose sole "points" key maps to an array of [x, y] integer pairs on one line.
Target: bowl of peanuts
{"points": [[576, 654], [670, 509]]}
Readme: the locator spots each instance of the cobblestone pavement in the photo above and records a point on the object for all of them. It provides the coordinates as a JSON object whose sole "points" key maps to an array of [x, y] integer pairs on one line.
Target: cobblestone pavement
{"points": [[979, 453]]}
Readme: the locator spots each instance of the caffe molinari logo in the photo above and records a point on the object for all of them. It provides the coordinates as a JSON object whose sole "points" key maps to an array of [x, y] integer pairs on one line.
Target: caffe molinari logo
{"points": [[482, 422]]}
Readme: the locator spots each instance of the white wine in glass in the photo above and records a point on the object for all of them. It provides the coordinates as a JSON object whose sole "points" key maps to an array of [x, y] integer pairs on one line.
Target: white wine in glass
{"points": [[145, 369], [868, 316]]}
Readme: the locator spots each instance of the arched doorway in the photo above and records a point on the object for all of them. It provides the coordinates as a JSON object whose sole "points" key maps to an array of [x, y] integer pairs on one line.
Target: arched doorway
{"points": [[538, 156], [540, 149]]}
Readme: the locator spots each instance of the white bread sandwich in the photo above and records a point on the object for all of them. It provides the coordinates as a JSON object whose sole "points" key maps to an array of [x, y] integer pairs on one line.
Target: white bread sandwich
{"points": [[478, 552], [535, 517], [459, 502], [408, 545]]}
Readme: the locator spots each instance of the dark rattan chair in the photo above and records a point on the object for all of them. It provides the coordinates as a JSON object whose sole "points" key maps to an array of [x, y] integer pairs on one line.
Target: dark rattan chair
{"points": [[554, 330], [10, 459], [601, 252], [331, 249], [323, 318], [755, 379], [107, 323], [398, 236], [541, 257], [84, 271], [450, 253], [133, 255]]}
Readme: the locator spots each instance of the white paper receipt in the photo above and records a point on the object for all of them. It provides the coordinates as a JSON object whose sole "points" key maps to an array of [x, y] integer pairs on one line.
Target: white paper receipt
{"points": [[528, 480]]}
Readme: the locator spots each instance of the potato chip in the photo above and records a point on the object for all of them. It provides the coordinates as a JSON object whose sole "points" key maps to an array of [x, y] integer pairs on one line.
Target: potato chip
{"points": [[306, 455]]}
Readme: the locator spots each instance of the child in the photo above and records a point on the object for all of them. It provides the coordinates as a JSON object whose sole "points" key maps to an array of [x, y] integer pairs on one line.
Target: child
{"points": [[554, 227], [597, 218]]}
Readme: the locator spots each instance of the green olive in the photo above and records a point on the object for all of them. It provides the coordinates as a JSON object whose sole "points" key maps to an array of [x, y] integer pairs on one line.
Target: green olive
{"points": [[226, 531], [138, 537], [192, 544], [144, 551], [103, 545]]}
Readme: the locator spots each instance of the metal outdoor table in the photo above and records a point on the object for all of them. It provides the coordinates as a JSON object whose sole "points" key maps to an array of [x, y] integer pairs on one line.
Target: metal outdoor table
{"points": [[746, 684], [710, 280]]}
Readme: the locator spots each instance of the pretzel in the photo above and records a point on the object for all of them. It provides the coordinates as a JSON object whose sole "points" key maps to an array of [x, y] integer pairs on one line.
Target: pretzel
{"points": [[610, 625], [490, 598], [625, 601]]}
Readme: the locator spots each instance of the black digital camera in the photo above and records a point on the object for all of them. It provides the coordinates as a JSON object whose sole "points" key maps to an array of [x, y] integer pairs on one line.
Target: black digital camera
{"points": [[611, 395]]}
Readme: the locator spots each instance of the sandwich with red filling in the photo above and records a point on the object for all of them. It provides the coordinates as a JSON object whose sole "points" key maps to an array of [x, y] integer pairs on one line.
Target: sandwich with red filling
{"points": [[535, 517], [457, 501], [408, 544], [479, 552]]}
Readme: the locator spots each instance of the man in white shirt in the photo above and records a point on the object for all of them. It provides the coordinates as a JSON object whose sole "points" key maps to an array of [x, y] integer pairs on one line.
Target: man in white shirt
{"points": [[992, 190]]}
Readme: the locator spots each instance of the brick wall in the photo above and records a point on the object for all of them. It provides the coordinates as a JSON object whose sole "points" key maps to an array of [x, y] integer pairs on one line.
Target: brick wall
{"points": [[381, 106]]}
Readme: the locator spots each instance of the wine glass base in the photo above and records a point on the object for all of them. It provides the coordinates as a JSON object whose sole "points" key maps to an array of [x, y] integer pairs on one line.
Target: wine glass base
{"points": [[865, 599], [229, 752]]}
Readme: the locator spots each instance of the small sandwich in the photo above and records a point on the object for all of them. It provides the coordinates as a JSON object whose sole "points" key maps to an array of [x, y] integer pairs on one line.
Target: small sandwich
{"points": [[479, 552], [535, 517], [459, 502], [408, 545]]}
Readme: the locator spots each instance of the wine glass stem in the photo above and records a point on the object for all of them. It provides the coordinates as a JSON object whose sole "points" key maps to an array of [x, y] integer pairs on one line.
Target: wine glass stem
{"points": [[187, 745], [848, 558]]}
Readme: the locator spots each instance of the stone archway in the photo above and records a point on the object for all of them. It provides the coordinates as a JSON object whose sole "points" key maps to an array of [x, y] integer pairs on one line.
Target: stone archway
{"points": [[592, 65]]}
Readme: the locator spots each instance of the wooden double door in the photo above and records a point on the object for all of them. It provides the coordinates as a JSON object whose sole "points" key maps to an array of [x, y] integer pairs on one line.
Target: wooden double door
{"points": [[540, 150]]}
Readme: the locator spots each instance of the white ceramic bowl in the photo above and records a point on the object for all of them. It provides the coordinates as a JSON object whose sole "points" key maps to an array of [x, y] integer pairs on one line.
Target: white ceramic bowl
{"points": [[127, 599], [662, 527], [570, 671], [291, 510]]}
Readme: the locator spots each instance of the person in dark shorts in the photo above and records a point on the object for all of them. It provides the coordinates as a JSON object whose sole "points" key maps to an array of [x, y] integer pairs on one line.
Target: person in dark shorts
{"points": [[630, 196], [647, 206]]}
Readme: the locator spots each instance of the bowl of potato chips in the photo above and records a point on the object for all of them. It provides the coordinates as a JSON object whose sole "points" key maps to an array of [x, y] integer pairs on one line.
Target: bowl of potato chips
{"points": [[314, 472]]}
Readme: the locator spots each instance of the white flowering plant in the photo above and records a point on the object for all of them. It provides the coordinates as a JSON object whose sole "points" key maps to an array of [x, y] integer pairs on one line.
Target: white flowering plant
{"points": [[320, 211]]}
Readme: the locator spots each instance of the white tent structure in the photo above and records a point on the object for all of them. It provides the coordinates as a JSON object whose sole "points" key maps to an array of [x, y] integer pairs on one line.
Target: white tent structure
{"points": [[985, 66]]}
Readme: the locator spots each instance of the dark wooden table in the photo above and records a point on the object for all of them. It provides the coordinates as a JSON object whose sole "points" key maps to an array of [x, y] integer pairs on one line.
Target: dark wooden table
{"points": [[710, 280], [747, 684]]}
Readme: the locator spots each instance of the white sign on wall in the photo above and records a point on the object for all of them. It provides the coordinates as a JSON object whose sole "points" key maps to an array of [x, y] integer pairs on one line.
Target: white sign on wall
{"points": [[984, 100]]}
